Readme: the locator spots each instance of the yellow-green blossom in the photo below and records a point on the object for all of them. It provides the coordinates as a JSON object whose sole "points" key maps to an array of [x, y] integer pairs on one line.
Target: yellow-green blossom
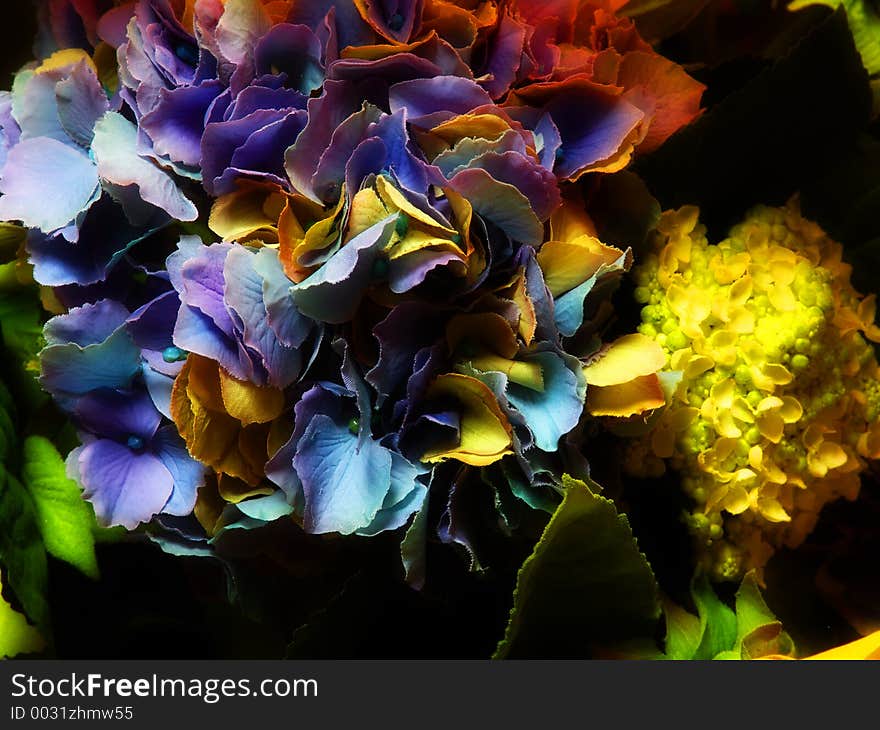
{"points": [[778, 407]]}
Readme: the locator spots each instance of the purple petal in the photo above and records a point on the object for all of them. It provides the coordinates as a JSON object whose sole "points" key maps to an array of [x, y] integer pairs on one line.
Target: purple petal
{"points": [[505, 56], [409, 271], [118, 414], [290, 326], [537, 183], [126, 488], [396, 20], [327, 112], [81, 103], [244, 296], [150, 326], [177, 123], [46, 184], [204, 285], [196, 332], [330, 172], [35, 108], [254, 98], [86, 325], [500, 203], [292, 50], [263, 153], [421, 97]]}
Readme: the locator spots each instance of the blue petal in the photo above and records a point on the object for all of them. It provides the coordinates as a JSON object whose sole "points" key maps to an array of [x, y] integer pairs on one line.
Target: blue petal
{"points": [[345, 486], [76, 370], [115, 148], [187, 473], [267, 508], [554, 412], [291, 327], [405, 496], [159, 386]]}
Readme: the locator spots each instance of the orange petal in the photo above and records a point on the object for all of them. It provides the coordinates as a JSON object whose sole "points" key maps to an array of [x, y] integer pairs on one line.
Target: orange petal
{"points": [[639, 395]]}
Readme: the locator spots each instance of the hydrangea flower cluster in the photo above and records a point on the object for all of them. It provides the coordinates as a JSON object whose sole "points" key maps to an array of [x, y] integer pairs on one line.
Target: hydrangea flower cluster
{"points": [[777, 408], [385, 263]]}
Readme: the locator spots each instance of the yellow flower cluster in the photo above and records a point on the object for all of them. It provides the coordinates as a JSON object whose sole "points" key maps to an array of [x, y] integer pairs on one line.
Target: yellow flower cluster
{"points": [[778, 404]]}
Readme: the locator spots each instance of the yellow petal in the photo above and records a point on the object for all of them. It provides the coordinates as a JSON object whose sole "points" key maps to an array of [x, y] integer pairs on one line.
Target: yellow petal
{"points": [[393, 198], [729, 270], [791, 409], [366, 210], [485, 434], [782, 298], [741, 320], [736, 501], [568, 264], [636, 396], [236, 490], [482, 126], [771, 425], [771, 510], [726, 426], [244, 212], [831, 454], [295, 244], [868, 647], [65, 57], [722, 393], [570, 221], [213, 436], [416, 240], [528, 374], [628, 357], [250, 403], [698, 365]]}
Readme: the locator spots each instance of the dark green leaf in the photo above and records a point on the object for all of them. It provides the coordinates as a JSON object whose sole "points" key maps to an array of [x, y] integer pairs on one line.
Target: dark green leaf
{"points": [[21, 550], [761, 143], [585, 586]]}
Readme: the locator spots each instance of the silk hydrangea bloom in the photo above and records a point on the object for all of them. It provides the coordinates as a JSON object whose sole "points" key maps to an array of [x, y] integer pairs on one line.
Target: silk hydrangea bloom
{"points": [[405, 284]]}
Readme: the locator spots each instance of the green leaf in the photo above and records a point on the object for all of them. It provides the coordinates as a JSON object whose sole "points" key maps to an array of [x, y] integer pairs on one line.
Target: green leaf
{"points": [[758, 631], [66, 520], [17, 636], [684, 632], [764, 141], [717, 620], [21, 549], [864, 21], [585, 587]]}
